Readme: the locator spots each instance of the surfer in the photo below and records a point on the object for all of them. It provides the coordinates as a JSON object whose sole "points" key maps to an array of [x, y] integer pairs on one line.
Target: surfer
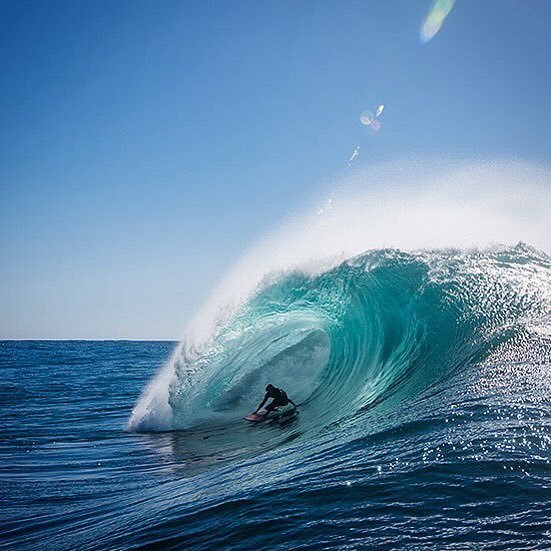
{"points": [[279, 398]]}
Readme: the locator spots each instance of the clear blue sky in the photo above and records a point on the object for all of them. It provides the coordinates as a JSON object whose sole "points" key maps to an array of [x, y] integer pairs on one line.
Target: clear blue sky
{"points": [[145, 145]]}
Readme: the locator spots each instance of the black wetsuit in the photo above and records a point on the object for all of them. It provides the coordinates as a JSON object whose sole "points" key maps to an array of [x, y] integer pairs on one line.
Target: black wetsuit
{"points": [[279, 398]]}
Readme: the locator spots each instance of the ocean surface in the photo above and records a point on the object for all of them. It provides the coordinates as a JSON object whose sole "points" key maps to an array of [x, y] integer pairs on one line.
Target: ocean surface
{"points": [[424, 382]]}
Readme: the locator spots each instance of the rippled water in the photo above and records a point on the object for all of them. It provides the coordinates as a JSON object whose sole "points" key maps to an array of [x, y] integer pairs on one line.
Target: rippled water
{"points": [[426, 422]]}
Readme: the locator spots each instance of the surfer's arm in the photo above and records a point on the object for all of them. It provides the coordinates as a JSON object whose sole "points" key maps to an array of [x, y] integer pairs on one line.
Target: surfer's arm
{"points": [[262, 403]]}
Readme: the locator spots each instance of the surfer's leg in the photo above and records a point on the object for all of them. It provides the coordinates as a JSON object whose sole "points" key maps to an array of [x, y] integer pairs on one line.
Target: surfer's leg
{"points": [[270, 407], [274, 404]]}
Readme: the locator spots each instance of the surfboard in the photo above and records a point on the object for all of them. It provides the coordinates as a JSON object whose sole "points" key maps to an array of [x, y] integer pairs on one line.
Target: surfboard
{"points": [[255, 417], [275, 415]]}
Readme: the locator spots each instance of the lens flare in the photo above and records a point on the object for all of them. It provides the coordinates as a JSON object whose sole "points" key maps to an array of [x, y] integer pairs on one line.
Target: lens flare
{"points": [[355, 153], [367, 118], [438, 12]]}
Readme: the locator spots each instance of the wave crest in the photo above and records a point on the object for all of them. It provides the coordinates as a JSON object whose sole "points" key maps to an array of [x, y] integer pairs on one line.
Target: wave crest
{"points": [[376, 329]]}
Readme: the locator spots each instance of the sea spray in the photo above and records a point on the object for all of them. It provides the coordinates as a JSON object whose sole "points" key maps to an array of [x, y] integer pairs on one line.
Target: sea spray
{"points": [[451, 207]]}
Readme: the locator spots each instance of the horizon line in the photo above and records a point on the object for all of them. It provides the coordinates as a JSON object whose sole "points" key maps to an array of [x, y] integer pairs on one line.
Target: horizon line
{"points": [[70, 339]]}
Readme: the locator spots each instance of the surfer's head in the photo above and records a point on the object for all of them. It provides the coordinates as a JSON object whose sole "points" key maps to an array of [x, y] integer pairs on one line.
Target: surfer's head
{"points": [[270, 388]]}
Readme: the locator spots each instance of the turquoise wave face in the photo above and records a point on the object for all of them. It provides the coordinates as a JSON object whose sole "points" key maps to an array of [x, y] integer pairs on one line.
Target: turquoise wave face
{"points": [[366, 335]]}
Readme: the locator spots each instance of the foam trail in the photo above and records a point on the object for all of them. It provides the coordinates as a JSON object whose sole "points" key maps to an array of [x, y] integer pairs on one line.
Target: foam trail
{"points": [[409, 206]]}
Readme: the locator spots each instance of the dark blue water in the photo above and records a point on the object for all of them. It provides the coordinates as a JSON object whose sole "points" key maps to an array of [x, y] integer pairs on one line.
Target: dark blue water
{"points": [[434, 432]]}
